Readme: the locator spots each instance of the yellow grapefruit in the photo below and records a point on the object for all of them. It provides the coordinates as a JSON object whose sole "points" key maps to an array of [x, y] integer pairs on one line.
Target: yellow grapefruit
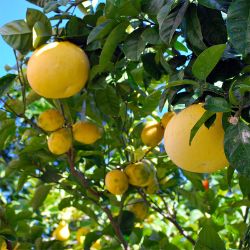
{"points": [[206, 152], [116, 182], [86, 132], [152, 134], [50, 120], [140, 173], [59, 142], [58, 70]]}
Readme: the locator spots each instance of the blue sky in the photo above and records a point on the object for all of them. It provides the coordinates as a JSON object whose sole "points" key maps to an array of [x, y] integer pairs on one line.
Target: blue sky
{"points": [[10, 10]]}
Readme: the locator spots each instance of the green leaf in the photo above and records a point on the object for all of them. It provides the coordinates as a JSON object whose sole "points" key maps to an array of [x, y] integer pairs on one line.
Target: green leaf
{"points": [[244, 185], [193, 30], [152, 7], [40, 195], [151, 35], [18, 35], [237, 147], [151, 102], [40, 3], [101, 30], [6, 82], [41, 34], [115, 37], [216, 4], [151, 66], [207, 60], [238, 25], [76, 29], [107, 101], [116, 9], [199, 123], [127, 222], [7, 132], [208, 239], [22, 180], [33, 16], [170, 21], [217, 104], [134, 45]]}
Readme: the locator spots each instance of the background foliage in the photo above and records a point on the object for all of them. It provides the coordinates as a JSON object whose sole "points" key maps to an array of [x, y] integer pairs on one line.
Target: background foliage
{"points": [[147, 57]]}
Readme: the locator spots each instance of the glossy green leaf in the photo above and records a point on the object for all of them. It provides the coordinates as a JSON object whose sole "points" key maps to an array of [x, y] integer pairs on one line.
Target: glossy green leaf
{"points": [[101, 30], [134, 45], [116, 9], [152, 7], [237, 147], [199, 123], [208, 239], [238, 25], [18, 35], [170, 21], [207, 60], [33, 16], [41, 34], [182, 83], [217, 104], [216, 4], [193, 30], [115, 37], [6, 82], [40, 195]]}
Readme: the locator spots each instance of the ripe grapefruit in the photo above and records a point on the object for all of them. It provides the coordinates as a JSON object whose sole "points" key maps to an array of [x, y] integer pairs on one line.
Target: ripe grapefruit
{"points": [[58, 70], [206, 152], [166, 118], [152, 134], [139, 208], [116, 182], [86, 132], [62, 232], [60, 141], [50, 120]]}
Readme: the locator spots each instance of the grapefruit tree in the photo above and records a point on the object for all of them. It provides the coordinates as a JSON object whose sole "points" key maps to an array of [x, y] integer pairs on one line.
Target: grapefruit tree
{"points": [[113, 118]]}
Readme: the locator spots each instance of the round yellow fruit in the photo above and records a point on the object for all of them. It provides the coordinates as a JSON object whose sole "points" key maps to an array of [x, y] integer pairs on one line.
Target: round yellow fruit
{"points": [[60, 141], [139, 208], [58, 70], [166, 118], [62, 232], [140, 173], [116, 182], [206, 152], [80, 234], [50, 120], [86, 132], [152, 134]]}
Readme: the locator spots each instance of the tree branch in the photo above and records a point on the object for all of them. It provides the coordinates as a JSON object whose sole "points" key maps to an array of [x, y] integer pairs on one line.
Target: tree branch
{"points": [[84, 183], [167, 217]]}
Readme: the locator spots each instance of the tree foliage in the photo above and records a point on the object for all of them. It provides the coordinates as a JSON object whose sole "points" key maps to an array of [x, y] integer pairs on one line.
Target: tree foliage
{"points": [[146, 57]]}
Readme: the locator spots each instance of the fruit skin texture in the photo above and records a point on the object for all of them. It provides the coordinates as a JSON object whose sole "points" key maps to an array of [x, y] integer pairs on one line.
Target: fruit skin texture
{"points": [[58, 70], [140, 173], [139, 208], [50, 120], [86, 132], [80, 234], [152, 187], [166, 118], [62, 232], [116, 182], [206, 152], [60, 141], [152, 134]]}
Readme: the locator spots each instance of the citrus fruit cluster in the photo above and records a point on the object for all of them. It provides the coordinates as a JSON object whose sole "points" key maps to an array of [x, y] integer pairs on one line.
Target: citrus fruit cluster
{"points": [[139, 174], [60, 139]]}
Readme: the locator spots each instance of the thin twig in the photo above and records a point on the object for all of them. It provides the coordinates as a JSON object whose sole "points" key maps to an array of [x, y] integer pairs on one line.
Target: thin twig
{"points": [[245, 220], [167, 217]]}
